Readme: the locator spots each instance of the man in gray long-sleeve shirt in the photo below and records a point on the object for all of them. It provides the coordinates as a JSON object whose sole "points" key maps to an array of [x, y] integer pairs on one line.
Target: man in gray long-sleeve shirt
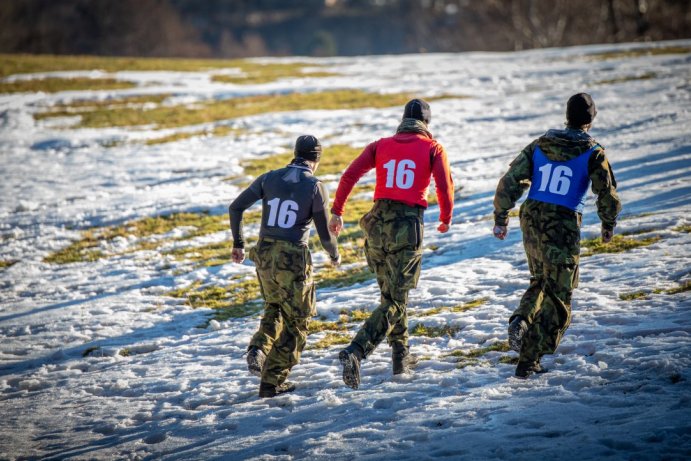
{"points": [[291, 199]]}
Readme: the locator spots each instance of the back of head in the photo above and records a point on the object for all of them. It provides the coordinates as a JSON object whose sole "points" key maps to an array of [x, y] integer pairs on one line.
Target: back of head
{"points": [[580, 110], [419, 110], [308, 148]]}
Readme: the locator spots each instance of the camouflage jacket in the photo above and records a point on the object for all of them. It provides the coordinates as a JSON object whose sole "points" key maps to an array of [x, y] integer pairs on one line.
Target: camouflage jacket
{"points": [[558, 145]]}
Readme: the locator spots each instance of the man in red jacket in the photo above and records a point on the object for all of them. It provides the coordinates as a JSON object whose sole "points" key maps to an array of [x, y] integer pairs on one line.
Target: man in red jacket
{"points": [[404, 164]]}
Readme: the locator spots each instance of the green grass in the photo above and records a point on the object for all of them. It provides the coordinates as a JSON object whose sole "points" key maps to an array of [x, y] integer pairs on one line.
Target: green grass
{"points": [[683, 288], [470, 305], [434, 332], [252, 71], [4, 264], [333, 277], [263, 73], [238, 299], [318, 326], [334, 160], [645, 294], [509, 359], [357, 315], [214, 111], [242, 296], [685, 228], [54, 85], [639, 52], [457, 308], [633, 296], [329, 340], [216, 131], [87, 249], [631, 78], [619, 244], [465, 358]]}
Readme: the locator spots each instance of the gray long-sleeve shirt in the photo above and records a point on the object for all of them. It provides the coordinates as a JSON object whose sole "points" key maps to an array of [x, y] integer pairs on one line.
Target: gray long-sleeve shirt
{"points": [[291, 199]]}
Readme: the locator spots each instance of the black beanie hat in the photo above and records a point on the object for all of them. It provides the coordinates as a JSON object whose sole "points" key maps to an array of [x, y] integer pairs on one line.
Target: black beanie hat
{"points": [[418, 109], [308, 147], [580, 110]]}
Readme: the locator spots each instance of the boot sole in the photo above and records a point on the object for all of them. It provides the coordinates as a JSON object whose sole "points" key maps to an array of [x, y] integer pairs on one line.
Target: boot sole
{"points": [[351, 370]]}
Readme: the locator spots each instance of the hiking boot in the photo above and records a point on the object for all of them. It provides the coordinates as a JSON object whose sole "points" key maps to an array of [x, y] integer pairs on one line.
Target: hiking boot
{"points": [[350, 359], [255, 360], [517, 329], [402, 360], [525, 369], [267, 390]]}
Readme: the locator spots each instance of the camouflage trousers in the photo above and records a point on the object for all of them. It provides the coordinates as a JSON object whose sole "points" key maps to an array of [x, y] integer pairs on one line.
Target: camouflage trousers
{"points": [[393, 247], [284, 270], [546, 306]]}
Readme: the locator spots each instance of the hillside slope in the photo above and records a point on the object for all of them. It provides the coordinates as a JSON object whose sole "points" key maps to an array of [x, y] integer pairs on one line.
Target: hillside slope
{"points": [[114, 255]]}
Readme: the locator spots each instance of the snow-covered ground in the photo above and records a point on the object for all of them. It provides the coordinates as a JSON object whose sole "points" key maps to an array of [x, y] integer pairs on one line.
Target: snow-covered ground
{"points": [[619, 385]]}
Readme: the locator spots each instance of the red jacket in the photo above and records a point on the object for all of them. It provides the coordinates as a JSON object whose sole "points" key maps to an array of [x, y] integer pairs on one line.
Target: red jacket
{"points": [[404, 165]]}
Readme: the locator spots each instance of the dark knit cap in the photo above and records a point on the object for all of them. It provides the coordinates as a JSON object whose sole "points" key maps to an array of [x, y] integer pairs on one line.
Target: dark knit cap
{"points": [[418, 109], [308, 147], [580, 110]]}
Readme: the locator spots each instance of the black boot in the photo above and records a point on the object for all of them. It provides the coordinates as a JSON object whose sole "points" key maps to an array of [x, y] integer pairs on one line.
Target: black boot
{"points": [[350, 358], [525, 369], [517, 329], [402, 360], [255, 360], [269, 390]]}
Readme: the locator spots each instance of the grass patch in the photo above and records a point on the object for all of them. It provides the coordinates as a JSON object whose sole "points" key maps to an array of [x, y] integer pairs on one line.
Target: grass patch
{"points": [[469, 305], [256, 73], [472, 357], [639, 52], [216, 131], [318, 326], [4, 264], [633, 296], [457, 308], [209, 255], [88, 248], [509, 360], [499, 346], [685, 228], [358, 315], [237, 299], [251, 71], [214, 111], [55, 85], [332, 277], [642, 294], [619, 244], [330, 339], [683, 288], [334, 160], [434, 332], [631, 78]]}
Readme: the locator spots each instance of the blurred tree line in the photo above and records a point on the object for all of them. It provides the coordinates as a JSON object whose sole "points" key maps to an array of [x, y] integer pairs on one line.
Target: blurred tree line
{"points": [[241, 28]]}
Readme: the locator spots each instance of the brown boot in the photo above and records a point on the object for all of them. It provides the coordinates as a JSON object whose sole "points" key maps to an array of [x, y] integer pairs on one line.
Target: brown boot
{"points": [[525, 369], [402, 360], [269, 390]]}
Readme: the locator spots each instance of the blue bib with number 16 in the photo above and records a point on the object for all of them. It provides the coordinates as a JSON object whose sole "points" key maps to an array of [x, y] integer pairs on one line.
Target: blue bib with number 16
{"points": [[561, 183]]}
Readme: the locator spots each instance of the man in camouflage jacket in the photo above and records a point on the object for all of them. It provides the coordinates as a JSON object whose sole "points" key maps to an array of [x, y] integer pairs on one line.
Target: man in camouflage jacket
{"points": [[556, 168], [404, 164], [292, 198]]}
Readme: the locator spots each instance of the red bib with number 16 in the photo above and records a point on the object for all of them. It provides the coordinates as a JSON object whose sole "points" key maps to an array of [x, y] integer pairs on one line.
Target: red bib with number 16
{"points": [[403, 170]]}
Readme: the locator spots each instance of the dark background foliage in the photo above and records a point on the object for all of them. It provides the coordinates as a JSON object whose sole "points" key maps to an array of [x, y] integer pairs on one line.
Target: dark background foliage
{"points": [[241, 28]]}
